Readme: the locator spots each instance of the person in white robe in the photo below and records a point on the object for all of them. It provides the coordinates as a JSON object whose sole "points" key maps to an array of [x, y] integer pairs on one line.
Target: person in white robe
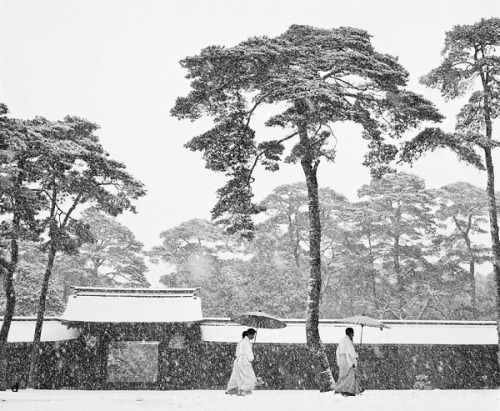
{"points": [[243, 379], [347, 361]]}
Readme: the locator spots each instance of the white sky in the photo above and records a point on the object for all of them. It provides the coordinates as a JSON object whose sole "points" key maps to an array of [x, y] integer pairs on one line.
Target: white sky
{"points": [[116, 64]]}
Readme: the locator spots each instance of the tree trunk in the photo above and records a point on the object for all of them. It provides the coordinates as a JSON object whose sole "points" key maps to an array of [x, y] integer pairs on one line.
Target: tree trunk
{"points": [[472, 263], [7, 320], [9, 268], [373, 273], [472, 281], [495, 242], [294, 241], [35, 349], [399, 278], [325, 379], [490, 190]]}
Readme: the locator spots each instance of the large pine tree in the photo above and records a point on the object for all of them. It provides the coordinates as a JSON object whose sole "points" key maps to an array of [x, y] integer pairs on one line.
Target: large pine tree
{"points": [[315, 78]]}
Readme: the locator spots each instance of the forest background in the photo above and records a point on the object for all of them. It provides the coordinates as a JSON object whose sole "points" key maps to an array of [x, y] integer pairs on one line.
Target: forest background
{"points": [[436, 239]]}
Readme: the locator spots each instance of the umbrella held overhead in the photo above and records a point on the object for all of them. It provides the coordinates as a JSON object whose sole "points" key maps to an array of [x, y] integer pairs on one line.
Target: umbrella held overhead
{"points": [[258, 319], [364, 321]]}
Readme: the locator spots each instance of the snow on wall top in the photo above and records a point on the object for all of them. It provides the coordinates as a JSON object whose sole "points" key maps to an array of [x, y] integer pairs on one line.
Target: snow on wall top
{"points": [[133, 305], [22, 329], [331, 331]]}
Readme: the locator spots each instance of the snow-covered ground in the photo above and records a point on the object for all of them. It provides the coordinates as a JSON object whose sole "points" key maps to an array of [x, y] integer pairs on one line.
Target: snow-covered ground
{"points": [[196, 400]]}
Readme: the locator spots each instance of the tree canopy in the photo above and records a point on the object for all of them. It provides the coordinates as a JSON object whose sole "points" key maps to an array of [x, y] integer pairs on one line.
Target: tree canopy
{"points": [[50, 171], [471, 64], [312, 77]]}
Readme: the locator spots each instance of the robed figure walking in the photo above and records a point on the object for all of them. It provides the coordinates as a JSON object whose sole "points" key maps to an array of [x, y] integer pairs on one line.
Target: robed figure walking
{"points": [[347, 361], [242, 380]]}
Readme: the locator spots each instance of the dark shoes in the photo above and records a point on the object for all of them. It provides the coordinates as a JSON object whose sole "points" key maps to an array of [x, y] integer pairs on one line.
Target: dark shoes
{"points": [[238, 393]]}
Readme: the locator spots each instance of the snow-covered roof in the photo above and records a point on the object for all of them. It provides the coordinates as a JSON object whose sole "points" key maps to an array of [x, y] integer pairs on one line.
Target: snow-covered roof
{"points": [[331, 331], [22, 329], [133, 305]]}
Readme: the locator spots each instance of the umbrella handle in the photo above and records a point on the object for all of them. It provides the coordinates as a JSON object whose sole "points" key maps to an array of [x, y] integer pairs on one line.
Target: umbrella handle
{"points": [[255, 341], [360, 345]]}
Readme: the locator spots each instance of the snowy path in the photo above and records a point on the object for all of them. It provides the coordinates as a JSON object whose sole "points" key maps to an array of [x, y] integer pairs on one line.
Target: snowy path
{"points": [[69, 400]]}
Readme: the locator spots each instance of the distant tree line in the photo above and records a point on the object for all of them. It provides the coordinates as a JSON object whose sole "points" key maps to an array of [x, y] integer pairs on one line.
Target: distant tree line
{"points": [[113, 258], [401, 252]]}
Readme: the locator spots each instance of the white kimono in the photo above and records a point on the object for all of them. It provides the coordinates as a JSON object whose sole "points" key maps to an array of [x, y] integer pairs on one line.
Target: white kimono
{"points": [[242, 377], [347, 383], [346, 347]]}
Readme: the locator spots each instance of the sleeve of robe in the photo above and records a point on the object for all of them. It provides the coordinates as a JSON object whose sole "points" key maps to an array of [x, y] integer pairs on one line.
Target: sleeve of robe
{"points": [[247, 349], [239, 349], [352, 354], [347, 347]]}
